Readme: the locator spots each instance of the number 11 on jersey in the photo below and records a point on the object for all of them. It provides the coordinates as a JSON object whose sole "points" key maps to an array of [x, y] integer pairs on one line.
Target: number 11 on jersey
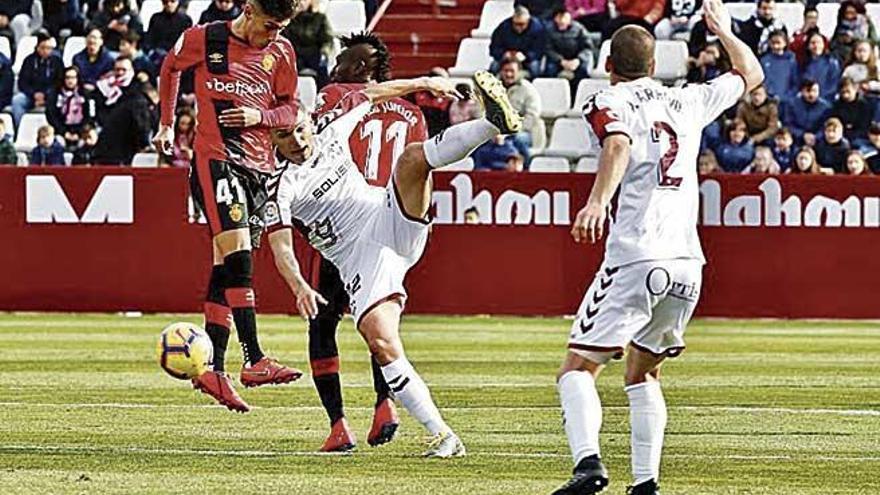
{"points": [[395, 133]]}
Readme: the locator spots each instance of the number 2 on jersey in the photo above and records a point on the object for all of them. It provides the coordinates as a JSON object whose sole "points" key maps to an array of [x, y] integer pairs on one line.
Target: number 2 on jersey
{"points": [[668, 158], [372, 129]]}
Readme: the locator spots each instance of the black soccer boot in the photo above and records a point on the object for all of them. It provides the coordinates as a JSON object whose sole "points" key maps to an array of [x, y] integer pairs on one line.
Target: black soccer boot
{"points": [[649, 487], [498, 109], [589, 476]]}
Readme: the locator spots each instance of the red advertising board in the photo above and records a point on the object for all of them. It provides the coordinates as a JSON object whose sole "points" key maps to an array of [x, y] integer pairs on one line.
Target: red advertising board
{"points": [[110, 239]]}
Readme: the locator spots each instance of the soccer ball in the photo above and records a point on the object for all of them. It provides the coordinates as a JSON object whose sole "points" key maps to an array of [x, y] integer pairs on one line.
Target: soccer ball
{"points": [[184, 350]]}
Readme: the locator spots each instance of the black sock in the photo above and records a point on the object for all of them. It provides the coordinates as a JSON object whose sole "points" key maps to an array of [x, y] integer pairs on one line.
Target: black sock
{"points": [[218, 316], [379, 384], [324, 360], [240, 296]]}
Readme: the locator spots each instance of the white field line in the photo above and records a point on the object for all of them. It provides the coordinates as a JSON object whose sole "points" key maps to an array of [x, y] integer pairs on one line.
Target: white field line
{"points": [[60, 449], [732, 409]]}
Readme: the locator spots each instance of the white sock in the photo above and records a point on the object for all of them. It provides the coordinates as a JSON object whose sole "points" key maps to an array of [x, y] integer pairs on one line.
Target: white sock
{"points": [[647, 417], [456, 143], [581, 413], [408, 387]]}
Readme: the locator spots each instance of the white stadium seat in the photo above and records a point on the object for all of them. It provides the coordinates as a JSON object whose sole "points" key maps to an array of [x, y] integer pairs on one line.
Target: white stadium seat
{"points": [[25, 47], [671, 59], [26, 139], [599, 70], [5, 49], [195, 8], [827, 17], [68, 158], [148, 8], [145, 160], [873, 10], [541, 164], [465, 165], [791, 14], [586, 88], [741, 10], [72, 46], [494, 12], [555, 96], [9, 124], [346, 16], [568, 139], [22, 158], [587, 165], [308, 90], [473, 55]]}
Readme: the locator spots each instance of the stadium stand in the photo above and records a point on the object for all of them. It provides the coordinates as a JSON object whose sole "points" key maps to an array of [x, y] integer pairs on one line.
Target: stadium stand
{"points": [[827, 17], [7, 121], [494, 12], [25, 47], [5, 48], [346, 16], [72, 46], [473, 55], [568, 139], [148, 8], [308, 91], [586, 88], [145, 160], [587, 165], [26, 137], [555, 96], [671, 55], [548, 164], [196, 7]]}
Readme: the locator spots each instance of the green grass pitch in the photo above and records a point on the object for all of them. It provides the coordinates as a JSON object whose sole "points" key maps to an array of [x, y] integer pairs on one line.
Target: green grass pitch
{"points": [[755, 407]]}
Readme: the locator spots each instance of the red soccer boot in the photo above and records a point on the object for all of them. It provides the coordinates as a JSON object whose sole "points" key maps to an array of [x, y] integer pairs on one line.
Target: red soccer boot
{"points": [[268, 371], [341, 438], [219, 386], [385, 424]]}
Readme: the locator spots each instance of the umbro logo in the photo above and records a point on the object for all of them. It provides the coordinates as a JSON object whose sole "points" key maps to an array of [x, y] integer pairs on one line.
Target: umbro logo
{"points": [[215, 58]]}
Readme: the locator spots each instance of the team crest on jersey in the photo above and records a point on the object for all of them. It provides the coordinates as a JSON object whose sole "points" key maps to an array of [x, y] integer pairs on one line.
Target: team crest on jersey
{"points": [[268, 62], [236, 213], [215, 58]]}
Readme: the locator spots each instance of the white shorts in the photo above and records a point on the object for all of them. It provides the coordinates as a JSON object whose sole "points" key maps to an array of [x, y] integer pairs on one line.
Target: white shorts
{"points": [[646, 304], [376, 263]]}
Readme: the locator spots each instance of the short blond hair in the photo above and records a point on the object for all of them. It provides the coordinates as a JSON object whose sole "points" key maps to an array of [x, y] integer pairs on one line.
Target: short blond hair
{"points": [[632, 52]]}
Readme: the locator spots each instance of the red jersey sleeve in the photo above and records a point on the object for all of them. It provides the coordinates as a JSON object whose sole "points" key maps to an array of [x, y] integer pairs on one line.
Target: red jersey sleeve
{"points": [[188, 52], [285, 87], [418, 132]]}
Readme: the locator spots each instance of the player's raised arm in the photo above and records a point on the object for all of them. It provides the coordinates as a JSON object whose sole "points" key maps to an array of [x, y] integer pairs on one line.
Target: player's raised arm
{"points": [[589, 225], [438, 86], [187, 52], [741, 57], [307, 299]]}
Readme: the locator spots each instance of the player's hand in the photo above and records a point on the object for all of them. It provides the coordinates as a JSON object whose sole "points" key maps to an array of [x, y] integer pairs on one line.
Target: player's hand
{"points": [[307, 300], [443, 87], [717, 17], [240, 117], [589, 225], [164, 140]]}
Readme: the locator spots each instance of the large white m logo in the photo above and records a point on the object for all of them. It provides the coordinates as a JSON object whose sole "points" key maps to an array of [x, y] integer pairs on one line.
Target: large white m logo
{"points": [[46, 202]]}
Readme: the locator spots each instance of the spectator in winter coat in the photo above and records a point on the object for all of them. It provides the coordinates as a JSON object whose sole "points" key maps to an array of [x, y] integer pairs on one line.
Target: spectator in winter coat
{"points": [[861, 67], [70, 107], [763, 163], [783, 148], [709, 64], [311, 34], [85, 149], [5, 30], [805, 114], [853, 111], [8, 156], [569, 53], [645, 13], [94, 60], [852, 25], [761, 116], [871, 149], [128, 125], [755, 31], [591, 14], [114, 20], [497, 154], [798, 44], [220, 10], [38, 74], [821, 67], [831, 150], [781, 74], [521, 37], [524, 98], [48, 151], [165, 29], [736, 151], [144, 69], [856, 164], [680, 17], [542, 9], [61, 15], [7, 81]]}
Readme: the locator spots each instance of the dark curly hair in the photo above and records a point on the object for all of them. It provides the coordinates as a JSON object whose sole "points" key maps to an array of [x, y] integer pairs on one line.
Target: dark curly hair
{"points": [[382, 58], [278, 9]]}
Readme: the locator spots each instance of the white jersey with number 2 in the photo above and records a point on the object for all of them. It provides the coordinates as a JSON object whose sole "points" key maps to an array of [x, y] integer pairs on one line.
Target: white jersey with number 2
{"points": [[658, 201]]}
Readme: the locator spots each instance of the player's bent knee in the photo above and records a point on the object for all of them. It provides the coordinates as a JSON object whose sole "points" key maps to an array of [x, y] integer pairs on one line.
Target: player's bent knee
{"points": [[578, 362], [385, 350]]}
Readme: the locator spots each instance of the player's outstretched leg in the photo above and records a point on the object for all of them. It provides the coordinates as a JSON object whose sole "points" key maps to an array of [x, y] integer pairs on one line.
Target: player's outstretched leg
{"points": [[218, 319], [582, 413], [385, 419], [647, 413], [380, 328]]}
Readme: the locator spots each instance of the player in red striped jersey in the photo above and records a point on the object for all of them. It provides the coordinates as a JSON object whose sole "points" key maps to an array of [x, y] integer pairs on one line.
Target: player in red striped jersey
{"points": [[245, 85]]}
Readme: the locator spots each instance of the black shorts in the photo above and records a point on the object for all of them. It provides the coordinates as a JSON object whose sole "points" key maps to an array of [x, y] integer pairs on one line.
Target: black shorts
{"points": [[231, 197]]}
